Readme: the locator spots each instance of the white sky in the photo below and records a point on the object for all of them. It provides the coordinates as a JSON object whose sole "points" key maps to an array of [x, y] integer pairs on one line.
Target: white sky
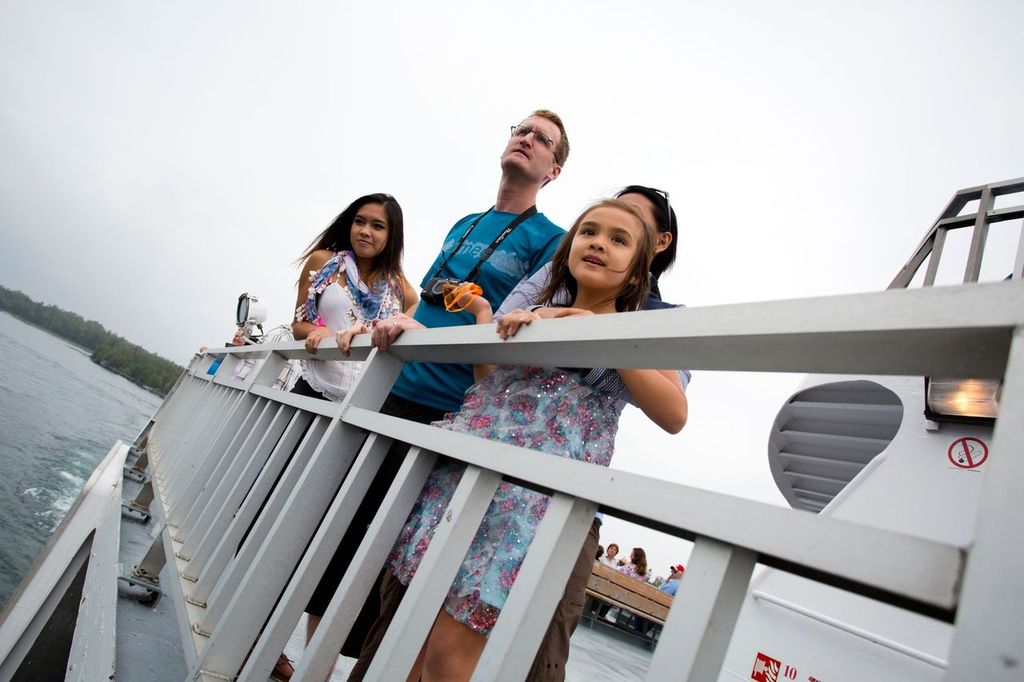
{"points": [[157, 159]]}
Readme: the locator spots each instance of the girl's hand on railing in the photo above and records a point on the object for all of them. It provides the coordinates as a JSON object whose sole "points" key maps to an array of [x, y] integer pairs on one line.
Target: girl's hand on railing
{"points": [[508, 326], [555, 313], [345, 337], [314, 338]]}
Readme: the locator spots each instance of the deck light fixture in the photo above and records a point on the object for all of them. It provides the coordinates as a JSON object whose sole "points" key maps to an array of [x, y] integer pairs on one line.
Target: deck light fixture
{"points": [[250, 315], [973, 401]]}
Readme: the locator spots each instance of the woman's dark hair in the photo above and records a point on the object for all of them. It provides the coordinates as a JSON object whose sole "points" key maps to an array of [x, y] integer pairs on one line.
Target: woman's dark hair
{"points": [[338, 237], [639, 559], [634, 292], [666, 223]]}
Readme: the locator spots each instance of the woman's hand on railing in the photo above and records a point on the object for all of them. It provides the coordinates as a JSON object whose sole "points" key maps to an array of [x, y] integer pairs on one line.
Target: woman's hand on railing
{"points": [[314, 338], [345, 337]]}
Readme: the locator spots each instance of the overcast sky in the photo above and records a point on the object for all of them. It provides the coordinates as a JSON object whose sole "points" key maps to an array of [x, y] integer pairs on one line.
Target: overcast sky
{"points": [[158, 159]]}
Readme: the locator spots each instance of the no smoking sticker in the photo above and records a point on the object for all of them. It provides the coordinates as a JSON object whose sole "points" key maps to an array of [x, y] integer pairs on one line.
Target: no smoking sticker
{"points": [[967, 453]]}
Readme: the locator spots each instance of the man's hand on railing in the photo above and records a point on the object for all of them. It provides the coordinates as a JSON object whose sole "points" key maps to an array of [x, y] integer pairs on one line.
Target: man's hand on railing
{"points": [[386, 331]]}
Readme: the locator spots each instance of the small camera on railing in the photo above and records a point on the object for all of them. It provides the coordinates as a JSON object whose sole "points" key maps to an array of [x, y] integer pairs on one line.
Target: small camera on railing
{"points": [[437, 287], [249, 317]]}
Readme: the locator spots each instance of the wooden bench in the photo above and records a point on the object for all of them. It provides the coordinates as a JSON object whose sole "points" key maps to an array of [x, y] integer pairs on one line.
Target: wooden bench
{"points": [[611, 587]]}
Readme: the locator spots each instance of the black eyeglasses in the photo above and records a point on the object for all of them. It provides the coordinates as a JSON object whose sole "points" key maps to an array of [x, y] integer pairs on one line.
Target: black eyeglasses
{"points": [[523, 131]]}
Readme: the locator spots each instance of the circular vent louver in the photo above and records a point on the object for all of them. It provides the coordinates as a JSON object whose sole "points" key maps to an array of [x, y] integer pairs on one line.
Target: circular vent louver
{"points": [[825, 435]]}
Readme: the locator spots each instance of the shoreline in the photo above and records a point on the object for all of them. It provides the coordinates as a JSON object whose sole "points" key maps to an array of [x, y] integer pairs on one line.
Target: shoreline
{"points": [[85, 351]]}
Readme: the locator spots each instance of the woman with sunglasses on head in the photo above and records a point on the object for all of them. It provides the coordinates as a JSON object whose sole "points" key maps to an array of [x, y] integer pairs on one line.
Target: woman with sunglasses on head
{"points": [[352, 275], [653, 205]]}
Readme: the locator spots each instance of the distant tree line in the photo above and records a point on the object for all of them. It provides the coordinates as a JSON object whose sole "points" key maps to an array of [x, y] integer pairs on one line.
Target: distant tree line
{"points": [[109, 350]]}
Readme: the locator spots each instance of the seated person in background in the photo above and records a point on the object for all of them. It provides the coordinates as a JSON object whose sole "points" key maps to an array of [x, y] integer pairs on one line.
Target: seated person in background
{"points": [[671, 585], [668, 587], [637, 566], [609, 559]]}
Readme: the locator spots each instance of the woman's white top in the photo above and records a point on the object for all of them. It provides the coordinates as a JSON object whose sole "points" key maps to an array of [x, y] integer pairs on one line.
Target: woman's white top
{"points": [[339, 310]]}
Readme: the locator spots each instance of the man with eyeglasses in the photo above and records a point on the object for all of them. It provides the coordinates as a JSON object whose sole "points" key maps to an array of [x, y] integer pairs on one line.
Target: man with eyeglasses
{"points": [[495, 250]]}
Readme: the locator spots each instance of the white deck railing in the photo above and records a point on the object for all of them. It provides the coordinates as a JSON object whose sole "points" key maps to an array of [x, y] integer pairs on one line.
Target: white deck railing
{"points": [[218, 445]]}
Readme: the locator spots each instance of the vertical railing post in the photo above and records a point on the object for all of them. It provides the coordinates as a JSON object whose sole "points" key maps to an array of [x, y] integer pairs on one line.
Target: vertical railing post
{"points": [[242, 447], [217, 581], [541, 581], [221, 437], [989, 640], [215, 513], [197, 432], [315, 562], [697, 634], [978, 236], [421, 604], [236, 628]]}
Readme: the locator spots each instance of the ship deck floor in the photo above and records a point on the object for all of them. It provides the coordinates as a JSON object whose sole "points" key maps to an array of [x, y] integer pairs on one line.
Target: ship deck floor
{"points": [[599, 653]]}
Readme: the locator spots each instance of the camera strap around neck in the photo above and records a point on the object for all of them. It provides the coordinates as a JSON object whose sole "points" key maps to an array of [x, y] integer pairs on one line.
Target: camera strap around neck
{"points": [[516, 222]]}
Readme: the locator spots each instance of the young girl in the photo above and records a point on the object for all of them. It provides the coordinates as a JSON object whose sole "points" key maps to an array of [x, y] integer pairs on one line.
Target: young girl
{"points": [[603, 261], [637, 566], [352, 275]]}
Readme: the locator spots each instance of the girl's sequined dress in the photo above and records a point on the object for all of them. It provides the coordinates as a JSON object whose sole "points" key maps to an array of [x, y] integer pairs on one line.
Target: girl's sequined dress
{"points": [[547, 409]]}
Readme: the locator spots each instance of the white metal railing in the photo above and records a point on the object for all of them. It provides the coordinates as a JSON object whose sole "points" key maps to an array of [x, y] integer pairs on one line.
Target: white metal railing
{"points": [[953, 218], [218, 445]]}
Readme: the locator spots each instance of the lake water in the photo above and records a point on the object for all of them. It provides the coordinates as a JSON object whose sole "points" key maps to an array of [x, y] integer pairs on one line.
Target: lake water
{"points": [[59, 415]]}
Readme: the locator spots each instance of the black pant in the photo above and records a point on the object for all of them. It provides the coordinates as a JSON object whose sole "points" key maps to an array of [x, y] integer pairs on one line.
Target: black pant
{"points": [[395, 407], [302, 387]]}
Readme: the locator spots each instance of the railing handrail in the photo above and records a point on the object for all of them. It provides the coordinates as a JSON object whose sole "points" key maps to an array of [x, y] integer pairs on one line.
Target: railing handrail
{"points": [[909, 332], [971, 331]]}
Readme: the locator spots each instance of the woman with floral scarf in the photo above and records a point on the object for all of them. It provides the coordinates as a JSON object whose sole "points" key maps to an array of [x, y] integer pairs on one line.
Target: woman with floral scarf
{"points": [[352, 275]]}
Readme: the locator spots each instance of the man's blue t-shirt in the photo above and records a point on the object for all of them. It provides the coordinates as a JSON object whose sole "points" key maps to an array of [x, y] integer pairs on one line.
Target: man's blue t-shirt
{"points": [[522, 253]]}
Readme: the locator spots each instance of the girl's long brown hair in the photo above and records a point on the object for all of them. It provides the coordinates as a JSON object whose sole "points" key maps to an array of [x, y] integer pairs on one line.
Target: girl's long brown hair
{"points": [[639, 559], [634, 290], [338, 237]]}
